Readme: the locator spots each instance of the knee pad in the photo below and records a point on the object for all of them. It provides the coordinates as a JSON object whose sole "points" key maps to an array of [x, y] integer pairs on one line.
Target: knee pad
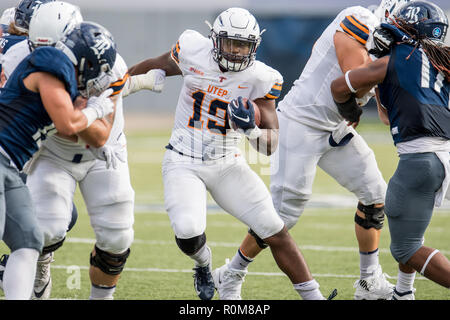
{"points": [[374, 216], [109, 263], [53, 247], [259, 241], [192, 245]]}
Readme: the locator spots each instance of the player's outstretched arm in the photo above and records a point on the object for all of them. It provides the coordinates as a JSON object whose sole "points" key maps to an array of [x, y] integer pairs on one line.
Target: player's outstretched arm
{"points": [[163, 62]]}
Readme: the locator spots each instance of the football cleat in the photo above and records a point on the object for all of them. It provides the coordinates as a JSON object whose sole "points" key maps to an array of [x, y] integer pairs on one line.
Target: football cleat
{"points": [[203, 282], [3, 261], [333, 294], [407, 295], [375, 287], [228, 282], [43, 279]]}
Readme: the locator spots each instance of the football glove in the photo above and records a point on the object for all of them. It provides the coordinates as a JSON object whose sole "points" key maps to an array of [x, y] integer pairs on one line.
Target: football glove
{"points": [[350, 110], [383, 41], [153, 80], [112, 155], [243, 118], [98, 107]]}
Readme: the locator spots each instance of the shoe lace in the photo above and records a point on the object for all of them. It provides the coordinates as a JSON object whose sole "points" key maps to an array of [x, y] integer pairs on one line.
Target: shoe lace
{"points": [[4, 259], [232, 282]]}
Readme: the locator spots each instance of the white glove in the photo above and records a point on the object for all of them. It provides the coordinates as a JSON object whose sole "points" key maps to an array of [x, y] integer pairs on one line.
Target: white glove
{"points": [[153, 80], [109, 154], [102, 104], [98, 107]]}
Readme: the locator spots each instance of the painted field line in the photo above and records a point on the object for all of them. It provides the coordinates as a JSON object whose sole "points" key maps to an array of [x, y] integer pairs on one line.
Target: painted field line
{"points": [[263, 274], [236, 245]]}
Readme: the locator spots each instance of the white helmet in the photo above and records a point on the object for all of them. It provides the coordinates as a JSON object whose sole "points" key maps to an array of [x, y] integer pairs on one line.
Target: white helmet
{"points": [[8, 16], [51, 21], [241, 29], [388, 8]]}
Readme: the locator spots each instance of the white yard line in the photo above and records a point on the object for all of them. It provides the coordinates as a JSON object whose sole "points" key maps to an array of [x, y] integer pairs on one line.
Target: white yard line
{"points": [[264, 274], [236, 245]]}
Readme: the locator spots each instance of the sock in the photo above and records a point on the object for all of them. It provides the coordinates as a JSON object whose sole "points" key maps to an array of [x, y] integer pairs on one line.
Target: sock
{"points": [[368, 262], [240, 261], [405, 281], [309, 290], [203, 257], [101, 292], [18, 278]]}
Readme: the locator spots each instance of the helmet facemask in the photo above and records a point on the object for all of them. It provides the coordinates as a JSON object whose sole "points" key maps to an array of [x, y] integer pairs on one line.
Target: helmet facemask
{"points": [[235, 54]]}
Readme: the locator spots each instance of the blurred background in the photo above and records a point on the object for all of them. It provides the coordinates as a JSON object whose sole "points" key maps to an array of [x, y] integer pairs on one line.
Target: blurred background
{"points": [[148, 28]]}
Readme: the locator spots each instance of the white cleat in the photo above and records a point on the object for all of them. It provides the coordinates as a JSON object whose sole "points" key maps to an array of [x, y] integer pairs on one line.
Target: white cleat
{"points": [[228, 282], [408, 295], [375, 287], [43, 279]]}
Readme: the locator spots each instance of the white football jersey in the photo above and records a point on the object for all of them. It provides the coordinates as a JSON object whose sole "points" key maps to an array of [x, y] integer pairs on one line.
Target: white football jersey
{"points": [[63, 147], [309, 101], [201, 128]]}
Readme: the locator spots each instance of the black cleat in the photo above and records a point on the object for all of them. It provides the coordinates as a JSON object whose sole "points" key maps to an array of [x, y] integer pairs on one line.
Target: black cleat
{"points": [[203, 283]]}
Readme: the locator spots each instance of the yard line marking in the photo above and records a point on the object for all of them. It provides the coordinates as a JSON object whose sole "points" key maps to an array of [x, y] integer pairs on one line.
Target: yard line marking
{"points": [[236, 245], [264, 274]]}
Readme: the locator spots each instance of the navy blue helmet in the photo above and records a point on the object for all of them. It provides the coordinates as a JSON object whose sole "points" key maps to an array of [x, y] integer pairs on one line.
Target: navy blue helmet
{"points": [[24, 11], [427, 19], [92, 50]]}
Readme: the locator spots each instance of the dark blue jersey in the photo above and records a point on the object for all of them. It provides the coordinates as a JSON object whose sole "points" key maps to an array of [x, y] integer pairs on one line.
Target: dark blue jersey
{"points": [[24, 122], [8, 40], [415, 95]]}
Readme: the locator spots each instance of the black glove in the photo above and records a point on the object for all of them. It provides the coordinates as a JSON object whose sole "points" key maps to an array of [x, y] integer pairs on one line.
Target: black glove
{"points": [[383, 41], [350, 110]]}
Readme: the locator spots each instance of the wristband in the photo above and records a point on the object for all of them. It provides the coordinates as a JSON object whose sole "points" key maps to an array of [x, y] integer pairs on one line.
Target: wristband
{"points": [[347, 80], [90, 114]]}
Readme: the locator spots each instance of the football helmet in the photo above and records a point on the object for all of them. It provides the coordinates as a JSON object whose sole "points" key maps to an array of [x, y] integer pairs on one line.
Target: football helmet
{"points": [[92, 50], [51, 21], [387, 8], [236, 36], [8, 16], [24, 11], [427, 19]]}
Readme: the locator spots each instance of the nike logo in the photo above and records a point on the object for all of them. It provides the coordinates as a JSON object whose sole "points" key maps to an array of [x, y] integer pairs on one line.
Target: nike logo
{"points": [[242, 87], [242, 119], [38, 294]]}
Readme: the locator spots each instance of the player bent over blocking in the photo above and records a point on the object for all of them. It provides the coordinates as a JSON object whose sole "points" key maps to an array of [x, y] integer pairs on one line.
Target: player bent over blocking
{"points": [[412, 74], [37, 101], [203, 156]]}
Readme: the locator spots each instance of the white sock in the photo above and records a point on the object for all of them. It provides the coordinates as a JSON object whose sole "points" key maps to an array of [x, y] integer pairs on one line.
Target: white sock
{"points": [[102, 293], [405, 281], [18, 278], [203, 257], [368, 262], [309, 290], [240, 261]]}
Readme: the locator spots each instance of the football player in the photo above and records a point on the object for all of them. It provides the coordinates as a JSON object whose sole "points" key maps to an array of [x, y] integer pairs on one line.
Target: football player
{"points": [[308, 111], [68, 160], [203, 154], [413, 79], [37, 100]]}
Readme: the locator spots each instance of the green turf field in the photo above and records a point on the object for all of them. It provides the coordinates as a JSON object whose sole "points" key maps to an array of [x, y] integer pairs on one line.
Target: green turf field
{"points": [[157, 270]]}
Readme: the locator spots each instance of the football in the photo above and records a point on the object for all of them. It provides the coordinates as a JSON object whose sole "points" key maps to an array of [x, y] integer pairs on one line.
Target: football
{"points": [[257, 112]]}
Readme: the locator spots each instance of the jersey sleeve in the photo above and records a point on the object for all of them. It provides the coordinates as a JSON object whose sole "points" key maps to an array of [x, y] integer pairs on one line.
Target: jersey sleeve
{"points": [[269, 83], [358, 23], [188, 48], [54, 61], [120, 73]]}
